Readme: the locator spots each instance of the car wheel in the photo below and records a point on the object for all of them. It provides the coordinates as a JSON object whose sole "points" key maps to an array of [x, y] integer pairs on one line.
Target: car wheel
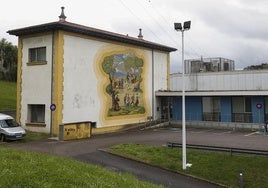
{"points": [[2, 137]]}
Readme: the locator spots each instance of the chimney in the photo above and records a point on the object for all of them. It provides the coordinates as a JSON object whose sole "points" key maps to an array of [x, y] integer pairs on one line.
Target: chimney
{"points": [[62, 16], [140, 36]]}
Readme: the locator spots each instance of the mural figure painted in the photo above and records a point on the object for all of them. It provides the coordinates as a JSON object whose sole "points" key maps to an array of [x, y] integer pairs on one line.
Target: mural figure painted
{"points": [[125, 84]]}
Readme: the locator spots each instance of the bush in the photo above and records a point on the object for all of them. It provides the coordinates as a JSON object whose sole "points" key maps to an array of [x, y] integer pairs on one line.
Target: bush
{"points": [[8, 75]]}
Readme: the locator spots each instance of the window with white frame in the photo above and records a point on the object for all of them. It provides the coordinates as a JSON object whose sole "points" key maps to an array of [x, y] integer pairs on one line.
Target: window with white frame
{"points": [[211, 108], [241, 109], [37, 54], [36, 113], [241, 104]]}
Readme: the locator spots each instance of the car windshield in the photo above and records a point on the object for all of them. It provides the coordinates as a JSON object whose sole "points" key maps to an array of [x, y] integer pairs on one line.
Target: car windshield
{"points": [[7, 123]]}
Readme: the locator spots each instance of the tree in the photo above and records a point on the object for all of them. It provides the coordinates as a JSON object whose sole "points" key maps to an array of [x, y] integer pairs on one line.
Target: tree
{"points": [[8, 60], [257, 67]]}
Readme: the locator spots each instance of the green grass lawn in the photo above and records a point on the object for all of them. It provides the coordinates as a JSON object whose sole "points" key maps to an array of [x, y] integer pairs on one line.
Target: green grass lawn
{"points": [[218, 167], [33, 136], [8, 92], [28, 169]]}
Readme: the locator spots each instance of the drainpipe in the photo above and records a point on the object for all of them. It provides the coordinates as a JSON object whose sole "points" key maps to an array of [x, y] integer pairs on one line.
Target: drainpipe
{"points": [[52, 78], [153, 93]]}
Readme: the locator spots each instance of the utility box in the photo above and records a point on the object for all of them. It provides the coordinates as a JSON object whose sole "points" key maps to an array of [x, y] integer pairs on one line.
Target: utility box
{"points": [[73, 131]]}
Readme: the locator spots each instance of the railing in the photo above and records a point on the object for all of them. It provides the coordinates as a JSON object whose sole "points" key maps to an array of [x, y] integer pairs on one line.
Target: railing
{"points": [[218, 148], [242, 117], [150, 122], [214, 116]]}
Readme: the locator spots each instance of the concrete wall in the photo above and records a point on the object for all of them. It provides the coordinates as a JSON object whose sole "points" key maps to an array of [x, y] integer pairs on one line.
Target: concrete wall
{"points": [[159, 80], [222, 125], [36, 81], [80, 94], [222, 81], [84, 95]]}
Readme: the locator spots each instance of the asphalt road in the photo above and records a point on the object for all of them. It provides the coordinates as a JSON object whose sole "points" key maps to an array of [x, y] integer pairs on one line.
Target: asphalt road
{"points": [[92, 150]]}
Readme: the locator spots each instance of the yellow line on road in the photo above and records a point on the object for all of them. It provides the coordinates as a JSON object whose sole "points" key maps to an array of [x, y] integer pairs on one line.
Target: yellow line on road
{"points": [[250, 134]]}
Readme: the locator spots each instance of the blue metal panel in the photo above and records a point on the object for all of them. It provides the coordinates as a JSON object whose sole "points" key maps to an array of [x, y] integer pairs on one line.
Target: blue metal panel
{"points": [[193, 108], [177, 108], [226, 109], [257, 113]]}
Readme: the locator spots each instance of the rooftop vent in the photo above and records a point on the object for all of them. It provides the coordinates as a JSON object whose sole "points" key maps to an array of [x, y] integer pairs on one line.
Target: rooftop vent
{"points": [[140, 36], [62, 16]]}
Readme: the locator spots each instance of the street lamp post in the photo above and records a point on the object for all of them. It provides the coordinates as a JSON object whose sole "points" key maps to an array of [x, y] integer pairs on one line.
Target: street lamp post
{"points": [[178, 27]]}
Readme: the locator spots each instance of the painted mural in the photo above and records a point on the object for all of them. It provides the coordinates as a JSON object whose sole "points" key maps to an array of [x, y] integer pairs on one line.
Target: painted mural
{"points": [[124, 84]]}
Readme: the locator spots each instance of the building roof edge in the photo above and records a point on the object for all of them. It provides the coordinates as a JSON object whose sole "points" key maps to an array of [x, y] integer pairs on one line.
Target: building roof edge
{"points": [[90, 31]]}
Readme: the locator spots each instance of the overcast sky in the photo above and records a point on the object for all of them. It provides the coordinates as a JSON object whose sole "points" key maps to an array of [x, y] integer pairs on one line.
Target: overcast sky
{"points": [[233, 29]]}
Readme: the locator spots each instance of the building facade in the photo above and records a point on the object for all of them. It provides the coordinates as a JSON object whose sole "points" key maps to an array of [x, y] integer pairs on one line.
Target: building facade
{"points": [[69, 73], [236, 98]]}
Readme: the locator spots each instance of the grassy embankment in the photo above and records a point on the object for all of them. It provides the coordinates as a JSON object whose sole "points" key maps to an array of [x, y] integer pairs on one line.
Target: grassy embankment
{"points": [[27, 169], [8, 93], [219, 167]]}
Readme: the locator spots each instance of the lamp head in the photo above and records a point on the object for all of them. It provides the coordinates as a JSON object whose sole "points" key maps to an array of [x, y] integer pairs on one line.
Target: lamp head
{"points": [[177, 26], [187, 25]]}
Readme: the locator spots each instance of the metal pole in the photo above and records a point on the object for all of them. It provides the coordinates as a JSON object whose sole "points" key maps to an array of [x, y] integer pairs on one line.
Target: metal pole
{"points": [[241, 183], [183, 109]]}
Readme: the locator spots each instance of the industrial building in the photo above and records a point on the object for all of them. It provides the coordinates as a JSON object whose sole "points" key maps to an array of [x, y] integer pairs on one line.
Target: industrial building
{"points": [[225, 98]]}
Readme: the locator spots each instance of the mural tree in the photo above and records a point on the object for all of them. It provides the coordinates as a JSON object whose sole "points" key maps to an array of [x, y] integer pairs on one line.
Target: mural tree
{"points": [[133, 65], [108, 68]]}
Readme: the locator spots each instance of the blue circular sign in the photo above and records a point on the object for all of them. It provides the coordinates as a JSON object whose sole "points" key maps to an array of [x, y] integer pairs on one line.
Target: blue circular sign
{"points": [[52, 107]]}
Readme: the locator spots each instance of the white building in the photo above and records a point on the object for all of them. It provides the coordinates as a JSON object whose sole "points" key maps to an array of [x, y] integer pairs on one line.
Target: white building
{"points": [[69, 74]]}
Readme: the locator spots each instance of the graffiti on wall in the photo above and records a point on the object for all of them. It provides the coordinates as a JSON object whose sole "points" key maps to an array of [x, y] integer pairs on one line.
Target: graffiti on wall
{"points": [[124, 73]]}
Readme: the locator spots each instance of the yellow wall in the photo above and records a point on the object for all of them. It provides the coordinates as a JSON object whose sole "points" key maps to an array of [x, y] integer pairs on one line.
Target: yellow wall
{"points": [[58, 64], [19, 81], [75, 131]]}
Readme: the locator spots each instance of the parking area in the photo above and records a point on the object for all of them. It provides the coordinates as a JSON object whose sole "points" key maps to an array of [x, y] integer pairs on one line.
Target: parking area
{"points": [[159, 136], [221, 137]]}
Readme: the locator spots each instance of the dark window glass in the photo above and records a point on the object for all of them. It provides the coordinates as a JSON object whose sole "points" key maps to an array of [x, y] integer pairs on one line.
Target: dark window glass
{"points": [[247, 104], [37, 54], [36, 113]]}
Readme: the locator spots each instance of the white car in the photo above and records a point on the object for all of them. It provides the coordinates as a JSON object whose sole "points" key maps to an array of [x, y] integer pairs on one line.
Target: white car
{"points": [[10, 129]]}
